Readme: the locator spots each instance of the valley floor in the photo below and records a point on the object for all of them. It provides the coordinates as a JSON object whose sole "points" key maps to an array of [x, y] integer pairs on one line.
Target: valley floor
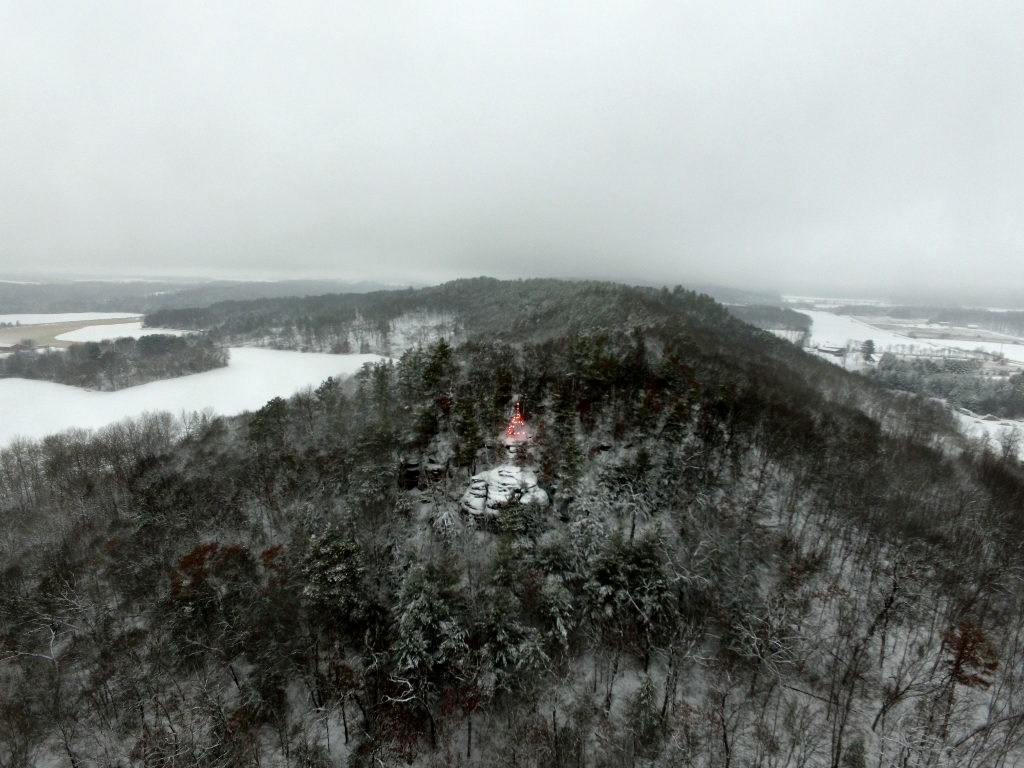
{"points": [[34, 409]]}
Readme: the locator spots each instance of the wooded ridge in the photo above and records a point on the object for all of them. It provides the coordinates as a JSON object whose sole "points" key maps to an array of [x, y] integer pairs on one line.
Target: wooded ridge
{"points": [[751, 557]]}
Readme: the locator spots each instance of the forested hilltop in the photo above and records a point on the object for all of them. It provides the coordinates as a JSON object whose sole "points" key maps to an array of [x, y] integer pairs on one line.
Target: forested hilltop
{"points": [[388, 321], [749, 556]]}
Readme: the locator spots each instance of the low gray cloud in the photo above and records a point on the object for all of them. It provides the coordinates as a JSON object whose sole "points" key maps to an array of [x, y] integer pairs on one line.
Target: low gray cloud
{"points": [[798, 145]]}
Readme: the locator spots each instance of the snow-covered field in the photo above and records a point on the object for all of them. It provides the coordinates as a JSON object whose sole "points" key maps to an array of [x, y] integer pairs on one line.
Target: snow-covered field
{"points": [[977, 427], [831, 330], [1012, 351], [65, 317], [833, 301], [38, 408], [115, 331]]}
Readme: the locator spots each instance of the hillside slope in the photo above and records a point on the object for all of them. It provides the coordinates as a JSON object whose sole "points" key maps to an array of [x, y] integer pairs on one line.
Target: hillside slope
{"points": [[750, 557]]}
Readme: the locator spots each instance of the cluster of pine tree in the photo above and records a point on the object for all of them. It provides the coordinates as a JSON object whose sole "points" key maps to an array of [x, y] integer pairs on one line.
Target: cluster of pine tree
{"points": [[751, 558]]}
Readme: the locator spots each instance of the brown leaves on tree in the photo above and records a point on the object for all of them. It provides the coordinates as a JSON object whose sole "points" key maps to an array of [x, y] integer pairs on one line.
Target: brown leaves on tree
{"points": [[972, 658], [205, 560]]}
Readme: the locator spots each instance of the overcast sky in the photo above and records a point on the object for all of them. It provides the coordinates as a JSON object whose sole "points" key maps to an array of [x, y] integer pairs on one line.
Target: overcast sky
{"points": [[799, 146]]}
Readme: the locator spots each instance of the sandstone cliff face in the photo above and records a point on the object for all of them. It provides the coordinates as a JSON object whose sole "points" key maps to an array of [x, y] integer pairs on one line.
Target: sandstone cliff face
{"points": [[506, 483]]}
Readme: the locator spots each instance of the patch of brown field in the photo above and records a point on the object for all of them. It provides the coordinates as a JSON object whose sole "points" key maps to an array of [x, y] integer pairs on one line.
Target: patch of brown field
{"points": [[44, 334]]}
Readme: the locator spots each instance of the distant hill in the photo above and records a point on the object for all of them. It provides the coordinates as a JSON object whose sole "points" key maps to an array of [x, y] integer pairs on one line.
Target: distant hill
{"points": [[147, 295], [517, 310]]}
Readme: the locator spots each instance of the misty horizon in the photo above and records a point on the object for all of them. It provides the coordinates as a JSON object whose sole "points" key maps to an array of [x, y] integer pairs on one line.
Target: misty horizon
{"points": [[854, 149], [996, 297]]}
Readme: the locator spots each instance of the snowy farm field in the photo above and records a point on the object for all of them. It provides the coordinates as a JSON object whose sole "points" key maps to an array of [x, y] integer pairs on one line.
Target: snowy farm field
{"points": [[24, 318], [1013, 351], [34, 409], [115, 331], [832, 330], [829, 330]]}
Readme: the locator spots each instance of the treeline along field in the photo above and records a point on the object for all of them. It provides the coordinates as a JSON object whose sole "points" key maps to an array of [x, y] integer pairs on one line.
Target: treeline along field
{"points": [[118, 363]]}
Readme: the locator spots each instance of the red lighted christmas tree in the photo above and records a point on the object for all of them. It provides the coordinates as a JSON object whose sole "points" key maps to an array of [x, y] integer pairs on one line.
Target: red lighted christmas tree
{"points": [[516, 429]]}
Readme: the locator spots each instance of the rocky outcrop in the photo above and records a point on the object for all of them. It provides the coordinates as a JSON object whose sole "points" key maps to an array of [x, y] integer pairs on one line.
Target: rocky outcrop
{"points": [[505, 484]]}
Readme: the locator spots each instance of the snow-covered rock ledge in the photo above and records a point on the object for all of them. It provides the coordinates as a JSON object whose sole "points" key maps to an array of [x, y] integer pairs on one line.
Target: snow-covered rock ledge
{"points": [[504, 484]]}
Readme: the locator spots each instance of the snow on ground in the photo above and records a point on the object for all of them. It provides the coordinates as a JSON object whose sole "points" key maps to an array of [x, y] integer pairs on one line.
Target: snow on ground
{"points": [[793, 336], [507, 482], [973, 425], [66, 317], [407, 331], [419, 329], [115, 331], [38, 408], [831, 330], [1012, 351], [834, 301]]}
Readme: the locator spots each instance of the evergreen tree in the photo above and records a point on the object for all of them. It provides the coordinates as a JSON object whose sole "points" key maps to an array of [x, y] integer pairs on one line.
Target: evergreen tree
{"points": [[332, 574]]}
